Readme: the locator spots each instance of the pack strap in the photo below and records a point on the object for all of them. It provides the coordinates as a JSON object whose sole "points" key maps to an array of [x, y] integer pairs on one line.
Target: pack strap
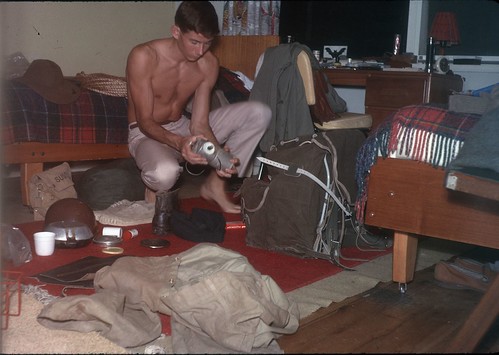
{"points": [[309, 175]]}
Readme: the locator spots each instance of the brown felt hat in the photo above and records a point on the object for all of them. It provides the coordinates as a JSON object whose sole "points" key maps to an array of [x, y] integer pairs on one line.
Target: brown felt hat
{"points": [[45, 77]]}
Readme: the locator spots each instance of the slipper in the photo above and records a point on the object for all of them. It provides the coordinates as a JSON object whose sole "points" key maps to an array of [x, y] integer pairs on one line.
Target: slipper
{"points": [[476, 266], [455, 276]]}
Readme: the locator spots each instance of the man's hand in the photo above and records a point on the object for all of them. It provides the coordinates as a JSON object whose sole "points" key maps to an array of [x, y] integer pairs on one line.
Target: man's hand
{"points": [[188, 154], [192, 157], [227, 173]]}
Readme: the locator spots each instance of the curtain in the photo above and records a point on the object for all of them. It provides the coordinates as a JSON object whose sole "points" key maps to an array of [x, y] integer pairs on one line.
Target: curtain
{"points": [[251, 18]]}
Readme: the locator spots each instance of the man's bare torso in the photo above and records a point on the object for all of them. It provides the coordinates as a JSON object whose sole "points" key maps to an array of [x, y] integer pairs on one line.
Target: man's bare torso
{"points": [[171, 83]]}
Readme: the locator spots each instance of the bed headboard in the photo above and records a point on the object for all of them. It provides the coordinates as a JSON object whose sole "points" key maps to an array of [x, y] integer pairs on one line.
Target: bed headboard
{"points": [[241, 53]]}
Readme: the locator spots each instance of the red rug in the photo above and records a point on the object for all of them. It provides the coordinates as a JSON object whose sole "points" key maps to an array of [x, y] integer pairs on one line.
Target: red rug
{"points": [[288, 272]]}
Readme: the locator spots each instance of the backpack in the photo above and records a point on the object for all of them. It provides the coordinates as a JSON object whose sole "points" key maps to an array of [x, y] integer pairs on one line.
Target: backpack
{"points": [[299, 207]]}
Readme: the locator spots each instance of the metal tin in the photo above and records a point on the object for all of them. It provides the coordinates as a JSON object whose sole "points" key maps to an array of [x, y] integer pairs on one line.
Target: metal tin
{"points": [[107, 240], [155, 243]]}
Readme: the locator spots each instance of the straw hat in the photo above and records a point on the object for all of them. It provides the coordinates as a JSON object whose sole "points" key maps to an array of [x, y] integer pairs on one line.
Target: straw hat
{"points": [[45, 77]]}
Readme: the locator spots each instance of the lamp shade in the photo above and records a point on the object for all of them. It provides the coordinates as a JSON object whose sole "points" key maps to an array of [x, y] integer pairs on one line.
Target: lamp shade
{"points": [[444, 28]]}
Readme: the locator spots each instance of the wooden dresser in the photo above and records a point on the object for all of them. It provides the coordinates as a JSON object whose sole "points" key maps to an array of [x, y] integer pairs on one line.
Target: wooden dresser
{"points": [[387, 91]]}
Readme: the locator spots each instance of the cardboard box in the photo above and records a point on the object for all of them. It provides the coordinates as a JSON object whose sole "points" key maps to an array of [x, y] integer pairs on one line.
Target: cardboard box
{"points": [[468, 103]]}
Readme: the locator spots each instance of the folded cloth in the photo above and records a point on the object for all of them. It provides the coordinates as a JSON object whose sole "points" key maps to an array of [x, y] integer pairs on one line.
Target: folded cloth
{"points": [[126, 213], [465, 273], [201, 226]]}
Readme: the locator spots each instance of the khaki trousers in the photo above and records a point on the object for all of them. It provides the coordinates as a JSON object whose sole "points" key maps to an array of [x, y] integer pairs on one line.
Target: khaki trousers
{"points": [[239, 126]]}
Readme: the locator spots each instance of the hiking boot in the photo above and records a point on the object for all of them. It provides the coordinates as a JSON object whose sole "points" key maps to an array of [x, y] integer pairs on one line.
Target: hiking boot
{"points": [[166, 203]]}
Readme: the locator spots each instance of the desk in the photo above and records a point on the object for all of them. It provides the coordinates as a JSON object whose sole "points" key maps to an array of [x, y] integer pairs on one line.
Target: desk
{"points": [[387, 91]]}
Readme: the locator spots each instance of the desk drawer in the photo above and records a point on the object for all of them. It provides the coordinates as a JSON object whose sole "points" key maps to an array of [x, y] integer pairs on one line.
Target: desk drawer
{"points": [[395, 91]]}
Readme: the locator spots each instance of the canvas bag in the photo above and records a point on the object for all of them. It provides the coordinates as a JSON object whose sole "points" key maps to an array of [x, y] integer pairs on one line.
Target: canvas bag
{"points": [[49, 186], [290, 212]]}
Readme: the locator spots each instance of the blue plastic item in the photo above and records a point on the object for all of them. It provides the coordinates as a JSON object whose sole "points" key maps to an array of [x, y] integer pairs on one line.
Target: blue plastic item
{"points": [[487, 89]]}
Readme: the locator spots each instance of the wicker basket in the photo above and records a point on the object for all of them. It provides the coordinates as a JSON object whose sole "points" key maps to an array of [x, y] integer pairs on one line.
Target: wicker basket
{"points": [[103, 83]]}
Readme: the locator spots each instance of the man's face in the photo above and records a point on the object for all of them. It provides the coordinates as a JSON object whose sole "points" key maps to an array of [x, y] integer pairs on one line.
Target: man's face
{"points": [[193, 45]]}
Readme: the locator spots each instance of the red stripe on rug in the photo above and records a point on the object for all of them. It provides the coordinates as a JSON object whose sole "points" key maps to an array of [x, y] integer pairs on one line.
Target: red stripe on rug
{"points": [[289, 272]]}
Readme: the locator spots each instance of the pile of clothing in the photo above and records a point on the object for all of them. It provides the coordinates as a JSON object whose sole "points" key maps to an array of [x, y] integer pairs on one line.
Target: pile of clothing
{"points": [[217, 301]]}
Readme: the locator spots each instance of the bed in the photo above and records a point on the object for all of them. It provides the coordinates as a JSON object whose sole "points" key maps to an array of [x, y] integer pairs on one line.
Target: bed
{"points": [[95, 126], [402, 172]]}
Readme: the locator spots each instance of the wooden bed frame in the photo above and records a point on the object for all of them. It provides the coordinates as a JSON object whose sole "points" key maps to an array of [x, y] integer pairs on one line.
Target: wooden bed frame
{"points": [[237, 53], [410, 198]]}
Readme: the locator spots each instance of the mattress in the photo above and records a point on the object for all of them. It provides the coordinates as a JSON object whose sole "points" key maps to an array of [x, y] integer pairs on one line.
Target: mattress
{"points": [[424, 133]]}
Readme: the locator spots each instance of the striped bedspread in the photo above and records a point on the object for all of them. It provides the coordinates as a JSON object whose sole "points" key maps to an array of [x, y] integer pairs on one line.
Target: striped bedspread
{"points": [[93, 118], [423, 133]]}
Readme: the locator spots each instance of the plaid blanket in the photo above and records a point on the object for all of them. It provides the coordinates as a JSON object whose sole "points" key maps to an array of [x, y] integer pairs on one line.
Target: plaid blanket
{"points": [[424, 133], [92, 119]]}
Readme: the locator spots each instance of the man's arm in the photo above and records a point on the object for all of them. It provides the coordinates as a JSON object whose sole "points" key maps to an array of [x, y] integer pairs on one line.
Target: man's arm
{"points": [[201, 107], [202, 98]]}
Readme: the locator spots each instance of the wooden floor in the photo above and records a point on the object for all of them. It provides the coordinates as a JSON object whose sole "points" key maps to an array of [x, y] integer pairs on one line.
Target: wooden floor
{"points": [[381, 320]]}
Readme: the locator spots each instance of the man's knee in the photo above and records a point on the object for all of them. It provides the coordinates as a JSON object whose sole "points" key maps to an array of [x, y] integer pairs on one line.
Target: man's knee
{"points": [[257, 117], [163, 177], [261, 112]]}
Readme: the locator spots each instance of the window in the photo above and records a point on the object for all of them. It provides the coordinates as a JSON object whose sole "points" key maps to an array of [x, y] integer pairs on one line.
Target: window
{"points": [[368, 28]]}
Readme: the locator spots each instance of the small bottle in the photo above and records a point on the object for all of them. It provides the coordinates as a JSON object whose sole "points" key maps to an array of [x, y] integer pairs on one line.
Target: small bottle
{"points": [[396, 45], [317, 54], [430, 55], [129, 234]]}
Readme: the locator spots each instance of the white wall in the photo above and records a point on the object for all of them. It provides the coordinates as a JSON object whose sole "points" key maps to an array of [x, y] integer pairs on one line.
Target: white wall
{"points": [[97, 36], [94, 37]]}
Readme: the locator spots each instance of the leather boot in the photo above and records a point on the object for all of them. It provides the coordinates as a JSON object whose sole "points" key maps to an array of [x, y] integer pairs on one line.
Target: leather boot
{"points": [[166, 202]]}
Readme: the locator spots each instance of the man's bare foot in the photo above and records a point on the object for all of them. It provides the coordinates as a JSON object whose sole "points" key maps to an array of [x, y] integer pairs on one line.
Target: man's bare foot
{"points": [[214, 189], [150, 196]]}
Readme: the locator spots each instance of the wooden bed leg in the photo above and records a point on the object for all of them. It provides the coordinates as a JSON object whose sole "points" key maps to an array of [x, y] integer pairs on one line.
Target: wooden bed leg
{"points": [[27, 171], [404, 257]]}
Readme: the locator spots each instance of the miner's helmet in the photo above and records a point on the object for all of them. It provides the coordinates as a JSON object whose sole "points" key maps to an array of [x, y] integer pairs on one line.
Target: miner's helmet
{"points": [[71, 210]]}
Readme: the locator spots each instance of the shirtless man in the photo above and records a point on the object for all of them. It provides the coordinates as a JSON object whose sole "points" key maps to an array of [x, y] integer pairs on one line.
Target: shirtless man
{"points": [[162, 76]]}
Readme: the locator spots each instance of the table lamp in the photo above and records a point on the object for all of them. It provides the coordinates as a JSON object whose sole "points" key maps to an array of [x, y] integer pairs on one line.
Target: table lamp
{"points": [[444, 30]]}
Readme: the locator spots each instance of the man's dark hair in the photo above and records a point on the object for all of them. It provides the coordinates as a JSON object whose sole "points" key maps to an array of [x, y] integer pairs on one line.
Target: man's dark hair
{"points": [[197, 16]]}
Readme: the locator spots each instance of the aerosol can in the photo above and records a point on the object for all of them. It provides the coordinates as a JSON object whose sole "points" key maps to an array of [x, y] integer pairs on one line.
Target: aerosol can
{"points": [[217, 157]]}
